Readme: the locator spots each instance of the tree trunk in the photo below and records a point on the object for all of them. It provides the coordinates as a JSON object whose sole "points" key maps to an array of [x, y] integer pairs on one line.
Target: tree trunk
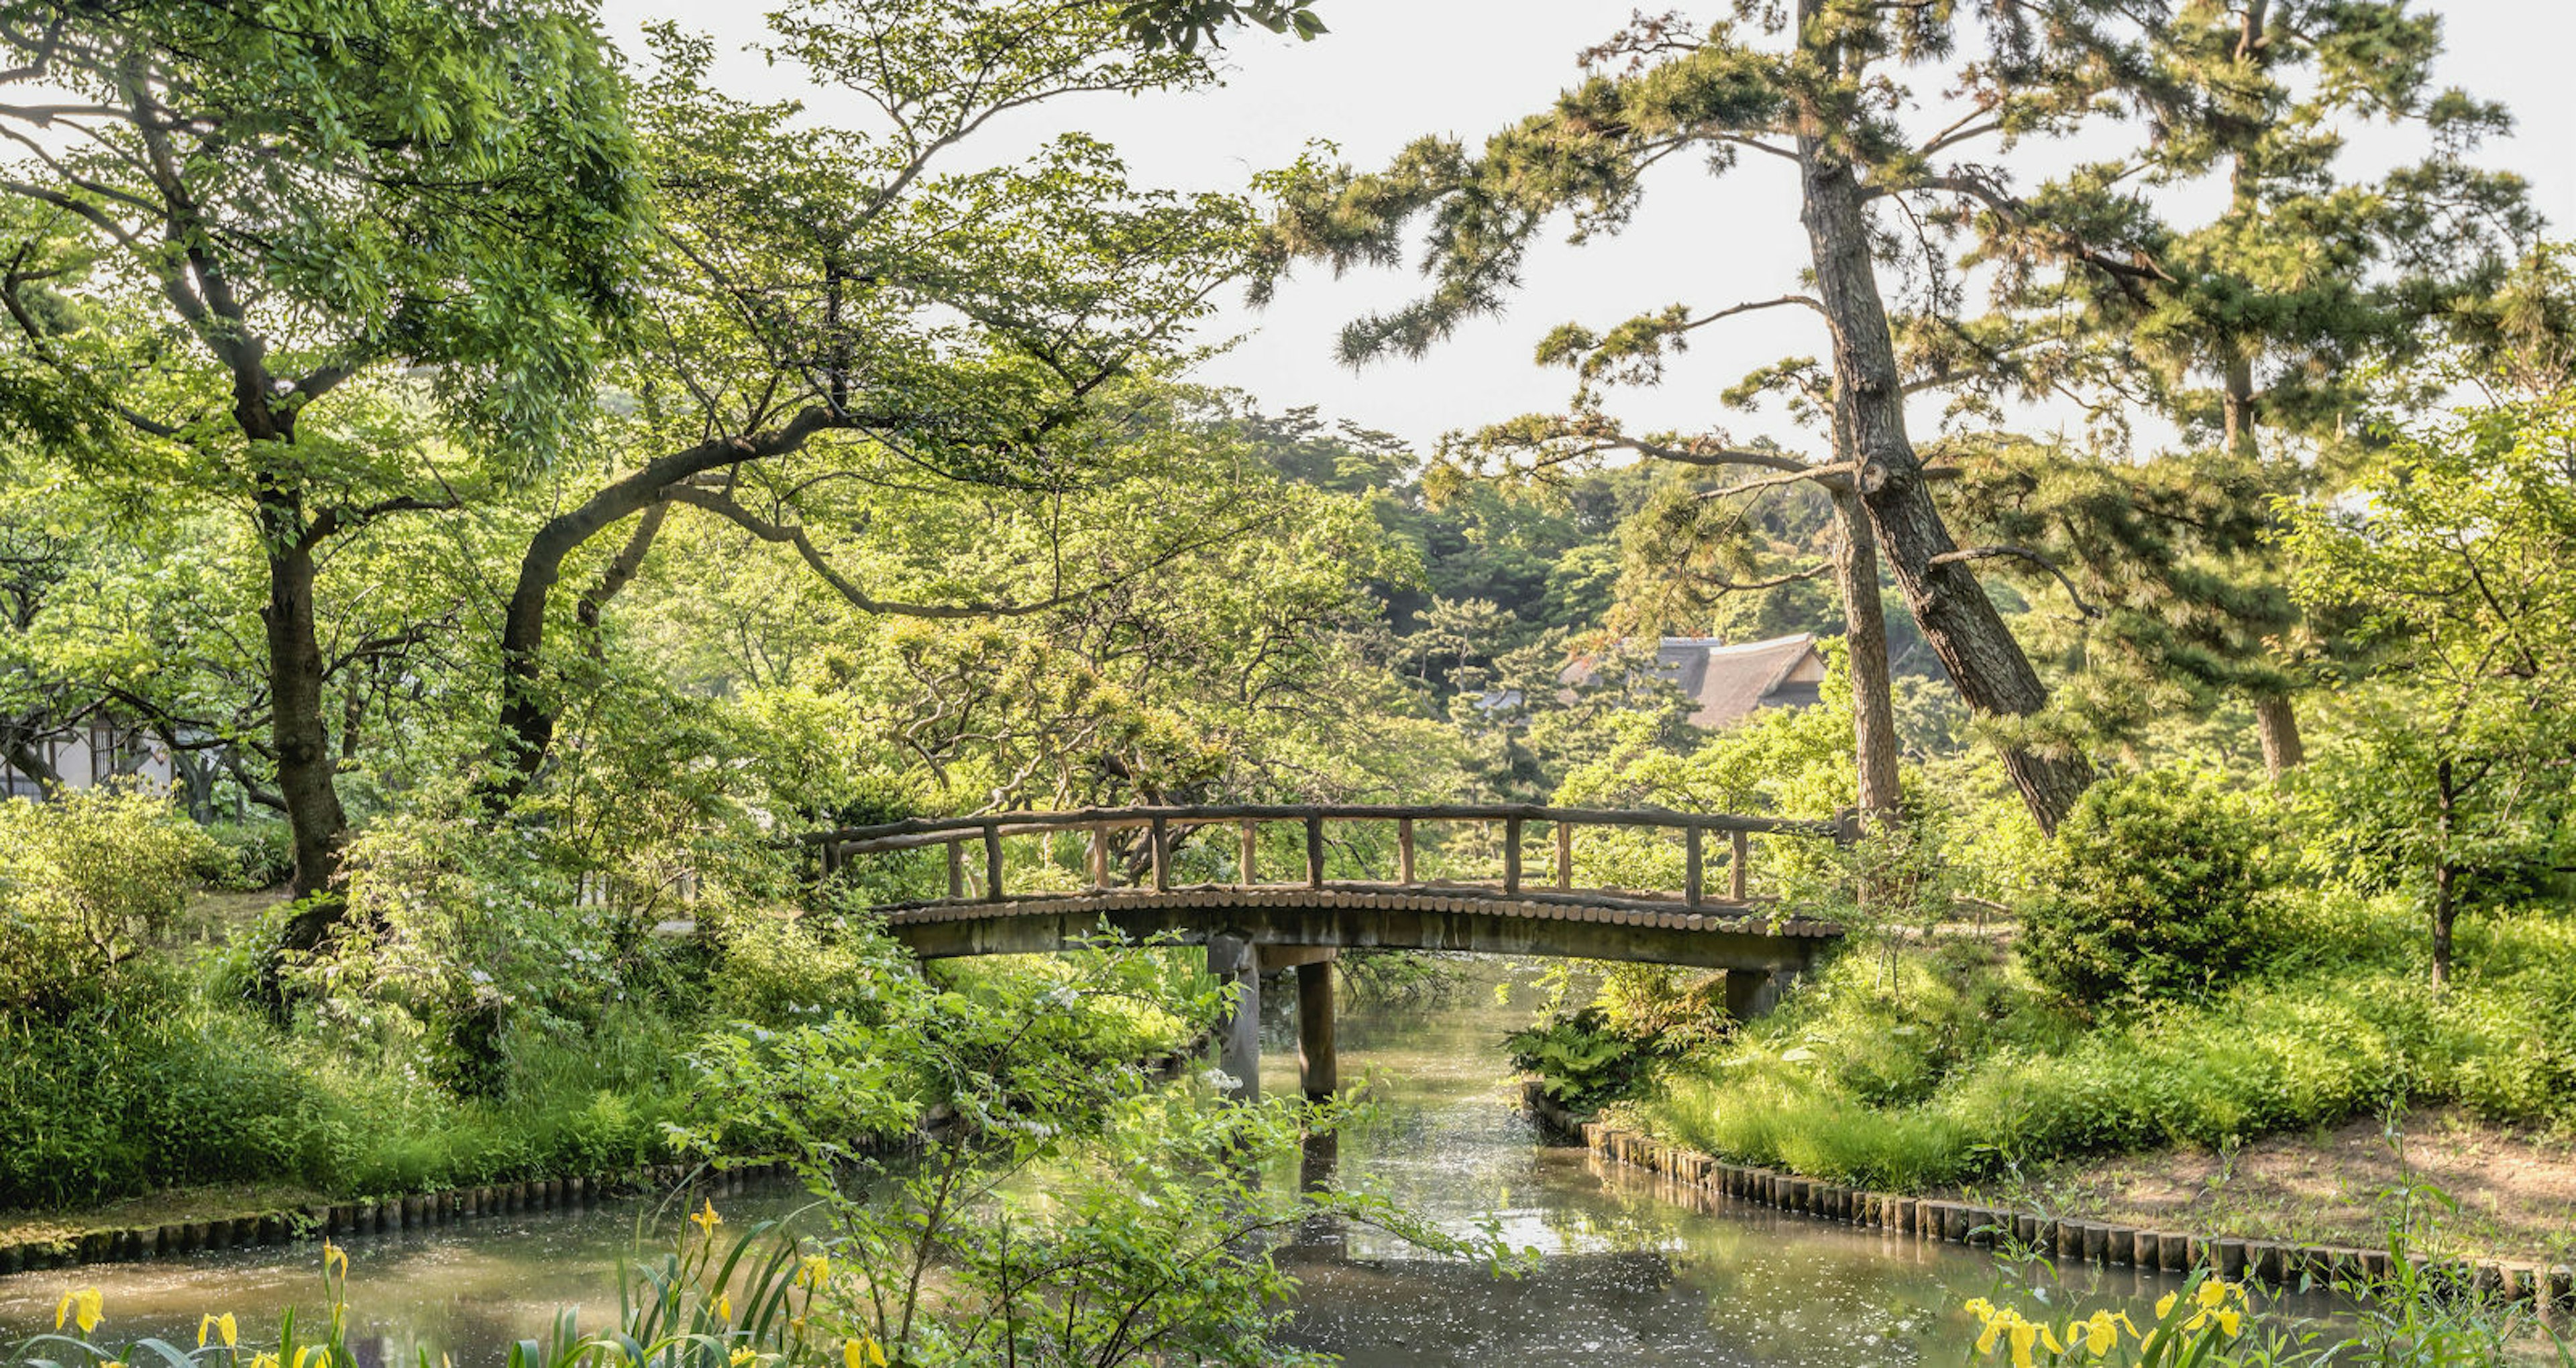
{"points": [[26, 756], [1865, 637], [2445, 873], [306, 765], [2276, 724], [527, 715], [2445, 911], [2237, 407], [621, 571], [195, 776], [1958, 620]]}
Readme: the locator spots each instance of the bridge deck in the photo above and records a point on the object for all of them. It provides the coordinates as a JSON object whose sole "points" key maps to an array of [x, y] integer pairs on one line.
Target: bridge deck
{"points": [[1461, 917]]}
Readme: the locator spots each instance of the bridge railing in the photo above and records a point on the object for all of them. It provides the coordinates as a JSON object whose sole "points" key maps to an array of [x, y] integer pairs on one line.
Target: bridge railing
{"points": [[977, 870]]}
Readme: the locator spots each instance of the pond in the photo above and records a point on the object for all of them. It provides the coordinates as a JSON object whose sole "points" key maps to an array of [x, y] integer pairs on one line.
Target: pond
{"points": [[1628, 1276]]}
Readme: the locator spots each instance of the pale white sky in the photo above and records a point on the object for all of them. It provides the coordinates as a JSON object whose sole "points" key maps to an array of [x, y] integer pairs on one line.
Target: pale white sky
{"points": [[1392, 70]]}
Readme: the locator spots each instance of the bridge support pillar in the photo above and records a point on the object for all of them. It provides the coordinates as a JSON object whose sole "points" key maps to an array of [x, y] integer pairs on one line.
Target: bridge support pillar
{"points": [[1318, 1068], [1751, 992], [1232, 960]]}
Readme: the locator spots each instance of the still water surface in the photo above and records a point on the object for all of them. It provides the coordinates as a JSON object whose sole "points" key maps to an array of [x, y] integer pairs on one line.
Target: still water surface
{"points": [[1635, 1272]]}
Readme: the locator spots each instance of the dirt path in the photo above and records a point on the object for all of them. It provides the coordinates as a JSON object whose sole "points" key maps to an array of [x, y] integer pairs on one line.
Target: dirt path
{"points": [[2515, 1192]]}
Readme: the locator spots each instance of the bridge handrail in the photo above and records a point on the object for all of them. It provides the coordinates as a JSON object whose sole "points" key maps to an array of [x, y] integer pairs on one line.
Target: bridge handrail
{"points": [[914, 832]]}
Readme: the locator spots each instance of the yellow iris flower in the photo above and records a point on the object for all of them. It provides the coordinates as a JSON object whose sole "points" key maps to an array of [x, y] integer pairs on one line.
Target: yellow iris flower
{"points": [[81, 1307], [263, 1359], [707, 1220], [222, 1325], [334, 1255], [724, 1307], [814, 1270], [862, 1353], [742, 1355], [2165, 1304]]}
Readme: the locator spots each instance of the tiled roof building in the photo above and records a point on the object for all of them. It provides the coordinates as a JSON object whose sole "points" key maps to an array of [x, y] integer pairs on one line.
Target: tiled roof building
{"points": [[1727, 683]]}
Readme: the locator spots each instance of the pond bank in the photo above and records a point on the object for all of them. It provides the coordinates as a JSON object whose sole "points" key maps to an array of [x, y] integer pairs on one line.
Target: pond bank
{"points": [[1630, 1267]]}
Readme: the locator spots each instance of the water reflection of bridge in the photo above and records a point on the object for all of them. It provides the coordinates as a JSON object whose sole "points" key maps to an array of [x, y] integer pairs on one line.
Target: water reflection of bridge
{"points": [[1172, 883]]}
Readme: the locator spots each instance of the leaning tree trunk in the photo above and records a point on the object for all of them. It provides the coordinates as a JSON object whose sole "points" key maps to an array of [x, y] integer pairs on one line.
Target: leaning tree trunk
{"points": [[1958, 620], [527, 710], [527, 713], [1865, 637]]}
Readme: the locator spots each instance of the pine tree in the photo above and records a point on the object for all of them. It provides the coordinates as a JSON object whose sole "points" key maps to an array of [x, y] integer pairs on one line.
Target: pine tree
{"points": [[1828, 86], [2255, 329]]}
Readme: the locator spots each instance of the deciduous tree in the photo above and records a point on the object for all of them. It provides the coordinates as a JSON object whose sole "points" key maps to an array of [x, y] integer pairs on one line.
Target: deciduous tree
{"points": [[224, 221]]}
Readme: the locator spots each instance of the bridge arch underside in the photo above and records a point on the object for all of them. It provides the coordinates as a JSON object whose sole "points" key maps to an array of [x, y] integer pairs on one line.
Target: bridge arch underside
{"points": [[1717, 937], [1248, 930]]}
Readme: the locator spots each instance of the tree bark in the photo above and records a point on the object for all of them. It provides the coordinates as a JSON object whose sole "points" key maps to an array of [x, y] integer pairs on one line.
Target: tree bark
{"points": [[25, 756], [2445, 873], [621, 571], [527, 715], [306, 764], [2236, 405], [1958, 620], [2276, 724], [1865, 639], [196, 778]]}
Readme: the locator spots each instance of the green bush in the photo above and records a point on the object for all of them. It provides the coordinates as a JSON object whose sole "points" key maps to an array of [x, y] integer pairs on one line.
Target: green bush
{"points": [[246, 857], [86, 880], [773, 971], [1579, 1058], [2153, 889]]}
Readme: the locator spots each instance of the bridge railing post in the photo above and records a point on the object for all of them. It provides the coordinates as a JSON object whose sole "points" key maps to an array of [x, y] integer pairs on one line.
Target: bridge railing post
{"points": [[1315, 850], [1693, 866], [992, 862], [1404, 851], [1564, 855], [957, 868], [1511, 854], [1248, 864], [1160, 837], [1100, 857], [1738, 884]]}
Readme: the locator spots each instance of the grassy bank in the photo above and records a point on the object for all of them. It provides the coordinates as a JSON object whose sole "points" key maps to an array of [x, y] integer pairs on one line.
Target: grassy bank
{"points": [[1941, 1065], [173, 1095]]}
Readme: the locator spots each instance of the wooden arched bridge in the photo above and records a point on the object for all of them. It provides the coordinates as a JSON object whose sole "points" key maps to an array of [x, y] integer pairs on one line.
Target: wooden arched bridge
{"points": [[1300, 913]]}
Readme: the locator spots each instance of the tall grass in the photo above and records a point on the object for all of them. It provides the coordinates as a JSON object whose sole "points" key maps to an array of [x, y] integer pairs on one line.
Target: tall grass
{"points": [[1953, 1066]]}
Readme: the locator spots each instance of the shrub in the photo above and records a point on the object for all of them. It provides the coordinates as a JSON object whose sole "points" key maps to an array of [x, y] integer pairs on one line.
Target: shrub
{"points": [[1579, 1059], [246, 857], [773, 970], [85, 881], [2153, 889]]}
